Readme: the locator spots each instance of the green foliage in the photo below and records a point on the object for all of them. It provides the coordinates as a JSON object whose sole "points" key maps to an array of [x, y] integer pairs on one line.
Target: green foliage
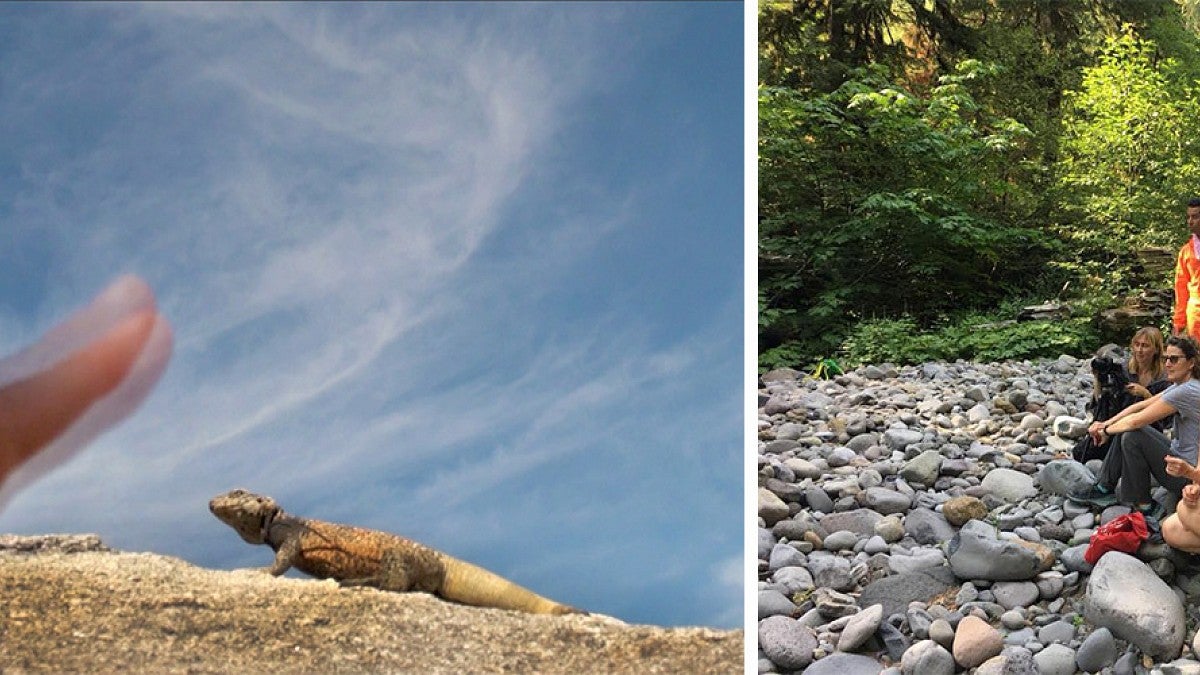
{"points": [[974, 337], [874, 198], [1129, 146]]}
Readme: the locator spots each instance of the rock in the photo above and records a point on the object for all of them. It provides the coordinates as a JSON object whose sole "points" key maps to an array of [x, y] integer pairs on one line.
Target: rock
{"points": [[845, 664], [923, 469], [1010, 594], [786, 642], [1097, 652], [876, 544], [890, 528], [1056, 660], [830, 571], [859, 521], [834, 605], [1059, 631], [860, 628], [771, 508], [979, 413], [885, 501], [840, 541], [975, 641], [1126, 597], [899, 439], [927, 527], [927, 658], [766, 542], [818, 500], [1069, 427], [1073, 559], [941, 632], [792, 580], [1009, 485], [896, 591], [958, 510], [785, 555], [771, 602], [840, 456], [1012, 661], [781, 375], [1064, 477], [921, 558], [976, 553]]}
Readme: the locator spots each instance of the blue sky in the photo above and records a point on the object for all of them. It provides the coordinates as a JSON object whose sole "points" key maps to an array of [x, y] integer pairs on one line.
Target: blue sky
{"points": [[468, 273]]}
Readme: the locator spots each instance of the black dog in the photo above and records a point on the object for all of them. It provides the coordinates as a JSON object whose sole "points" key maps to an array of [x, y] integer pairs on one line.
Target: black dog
{"points": [[1111, 380]]}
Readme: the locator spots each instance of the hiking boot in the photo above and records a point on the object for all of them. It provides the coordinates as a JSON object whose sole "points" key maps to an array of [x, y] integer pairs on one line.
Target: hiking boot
{"points": [[1154, 511], [1094, 495]]}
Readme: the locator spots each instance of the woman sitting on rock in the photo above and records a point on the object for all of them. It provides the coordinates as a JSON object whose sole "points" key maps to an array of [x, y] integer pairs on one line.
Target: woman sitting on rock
{"points": [[1145, 367], [1139, 451]]}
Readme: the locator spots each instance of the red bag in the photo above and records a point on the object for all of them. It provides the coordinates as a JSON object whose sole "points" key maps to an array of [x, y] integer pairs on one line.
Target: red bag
{"points": [[1123, 533]]}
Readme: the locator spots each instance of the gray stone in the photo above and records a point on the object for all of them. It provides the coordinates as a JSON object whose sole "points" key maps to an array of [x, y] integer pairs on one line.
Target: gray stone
{"points": [[792, 580], [1065, 476], [927, 527], [830, 571], [923, 469], [1056, 660], [1059, 631], [896, 591], [1013, 619], [1126, 597], [766, 541], [976, 553], [918, 622], [1009, 485], [860, 628], [802, 468], [859, 521], [786, 642], [772, 602], [885, 501], [860, 442], [941, 632], [1097, 652], [818, 500], [834, 605], [927, 658], [840, 541], [899, 439], [921, 558], [840, 456], [840, 663], [1073, 559], [1010, 594], [876, 544], [785, 555]]}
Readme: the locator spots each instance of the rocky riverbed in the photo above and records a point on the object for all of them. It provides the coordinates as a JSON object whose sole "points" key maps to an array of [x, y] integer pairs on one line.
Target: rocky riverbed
{"points": [[913, 520], [70, 604]]}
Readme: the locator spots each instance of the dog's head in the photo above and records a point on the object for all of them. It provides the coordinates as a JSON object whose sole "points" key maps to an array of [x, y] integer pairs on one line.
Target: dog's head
{"points": [[1110, 374]]}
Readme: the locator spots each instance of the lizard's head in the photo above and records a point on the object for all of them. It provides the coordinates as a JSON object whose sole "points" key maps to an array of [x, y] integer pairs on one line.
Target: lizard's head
{"points": [[247, 513]]}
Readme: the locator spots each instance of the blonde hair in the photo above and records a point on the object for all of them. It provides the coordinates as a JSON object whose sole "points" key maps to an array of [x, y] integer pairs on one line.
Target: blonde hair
{"points": [[1155, 337]]}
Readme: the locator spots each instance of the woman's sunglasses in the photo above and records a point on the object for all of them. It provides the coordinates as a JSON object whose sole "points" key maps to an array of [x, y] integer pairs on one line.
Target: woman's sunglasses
{"points": [[1172, 358]]}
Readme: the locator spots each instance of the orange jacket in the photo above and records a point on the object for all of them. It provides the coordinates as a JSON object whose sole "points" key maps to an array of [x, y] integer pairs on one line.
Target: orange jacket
{"points": [[1187, 291]]}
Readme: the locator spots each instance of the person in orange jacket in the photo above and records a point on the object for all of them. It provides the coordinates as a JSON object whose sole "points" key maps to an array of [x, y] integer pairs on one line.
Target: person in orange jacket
{"points": [[1186, 318]]}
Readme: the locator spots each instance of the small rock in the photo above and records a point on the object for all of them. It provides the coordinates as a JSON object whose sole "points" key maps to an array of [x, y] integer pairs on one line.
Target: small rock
{"points": [[860, 628], [1056, 660], [958, 510], [927, 658], [975, 641], [1097, 652], [786, 642]]}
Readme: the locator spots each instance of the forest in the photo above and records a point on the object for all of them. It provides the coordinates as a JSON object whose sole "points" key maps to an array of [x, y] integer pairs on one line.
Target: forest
{"points": [[928, 167]]}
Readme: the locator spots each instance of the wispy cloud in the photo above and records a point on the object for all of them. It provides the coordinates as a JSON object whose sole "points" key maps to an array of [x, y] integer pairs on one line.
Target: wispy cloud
{"points": [[384, 261]]}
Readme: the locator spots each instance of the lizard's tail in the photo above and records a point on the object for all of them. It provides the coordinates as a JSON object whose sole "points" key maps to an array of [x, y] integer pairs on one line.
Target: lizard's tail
{"points": [[473, 585]]}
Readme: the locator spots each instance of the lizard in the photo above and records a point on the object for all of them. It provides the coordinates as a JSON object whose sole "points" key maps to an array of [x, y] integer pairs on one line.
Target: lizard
{"points": [[356, 556]]}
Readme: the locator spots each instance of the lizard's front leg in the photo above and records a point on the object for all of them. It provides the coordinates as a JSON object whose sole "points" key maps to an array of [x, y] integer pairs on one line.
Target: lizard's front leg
{"points": [[285, 557]]}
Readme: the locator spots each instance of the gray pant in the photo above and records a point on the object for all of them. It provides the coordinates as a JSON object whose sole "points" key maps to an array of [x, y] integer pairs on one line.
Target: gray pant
{"points": [[1132, 458]]}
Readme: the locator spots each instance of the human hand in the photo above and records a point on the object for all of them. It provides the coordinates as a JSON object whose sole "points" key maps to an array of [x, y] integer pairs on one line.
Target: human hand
{"points": [[1137, 390], [82, 377], [1096, 430], [1177, 466], [1191, 494]]}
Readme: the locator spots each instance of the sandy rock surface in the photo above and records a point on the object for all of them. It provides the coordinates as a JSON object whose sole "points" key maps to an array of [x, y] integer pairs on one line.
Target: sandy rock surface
{"points": [[67, 603]]}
